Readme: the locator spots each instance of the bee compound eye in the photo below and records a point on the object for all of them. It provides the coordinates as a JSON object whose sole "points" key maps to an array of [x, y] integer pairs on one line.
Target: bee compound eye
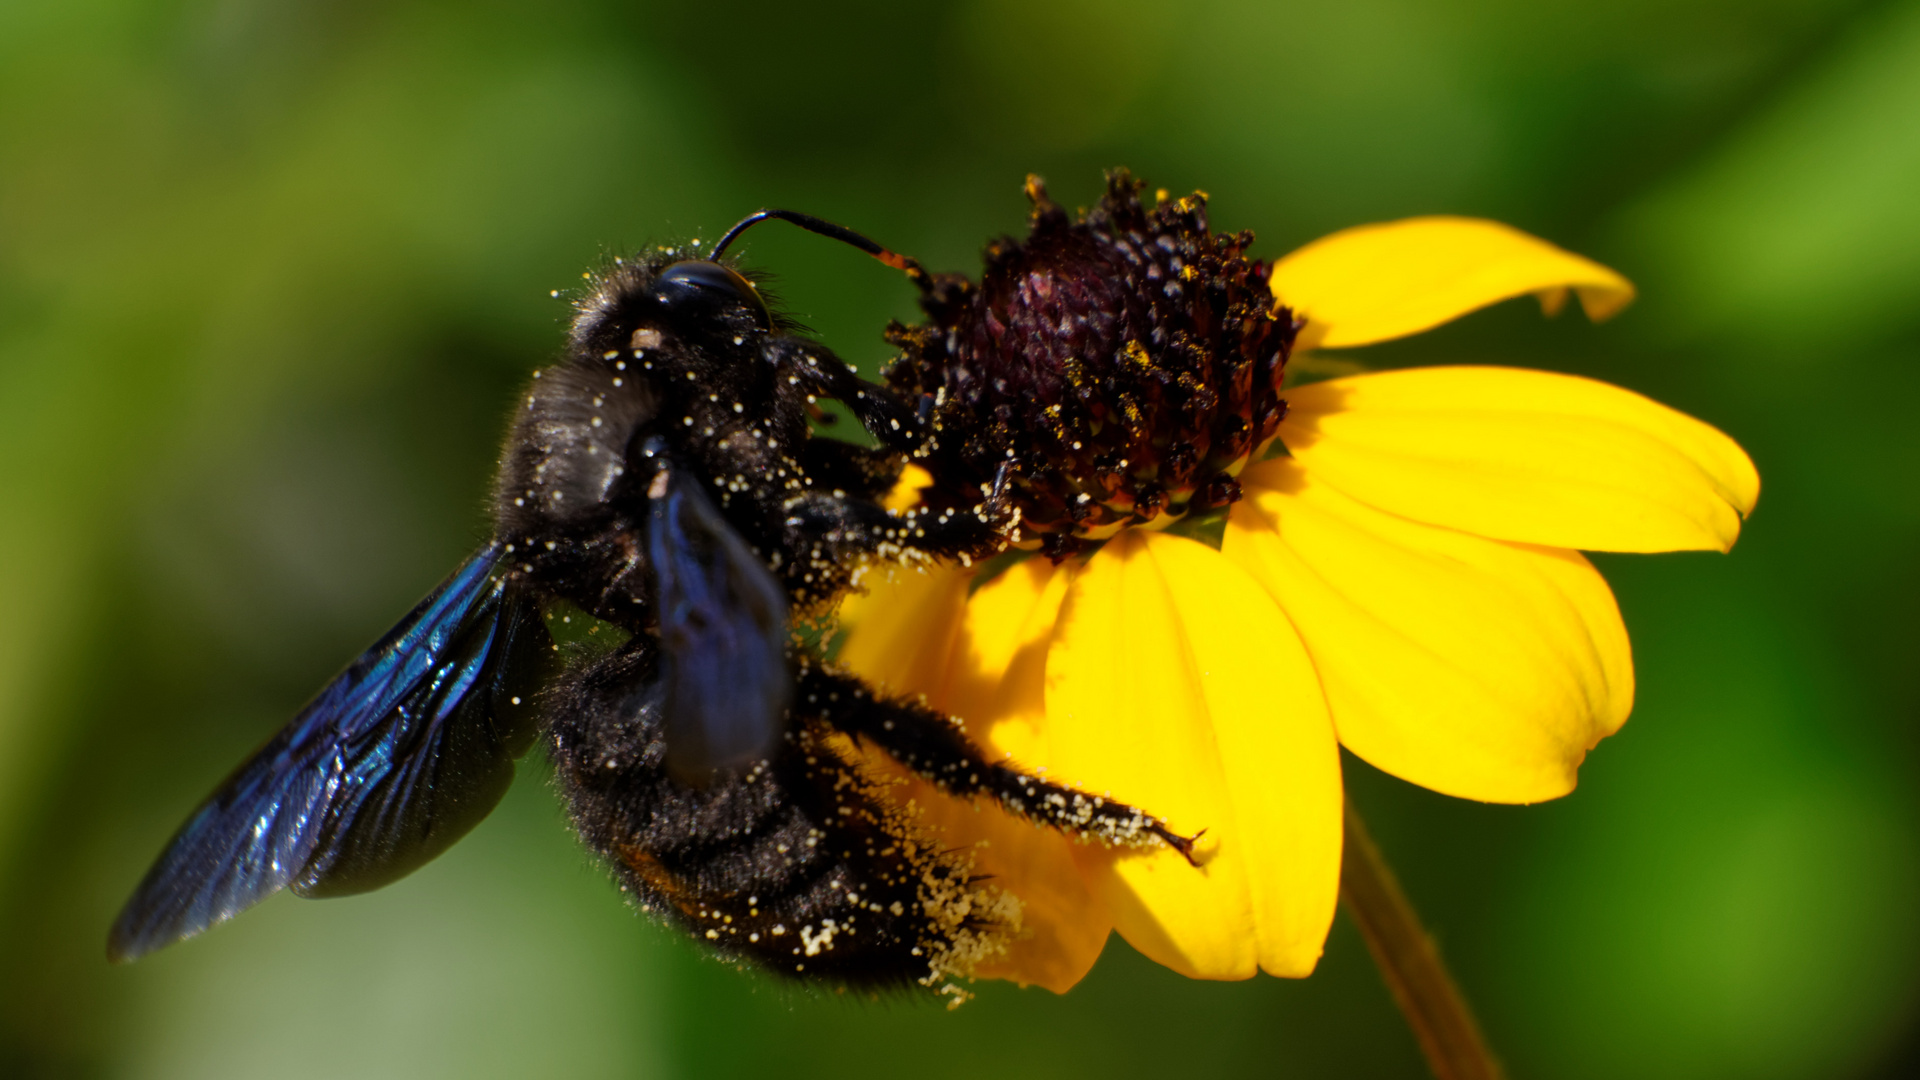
{"points": [[700, 288]]}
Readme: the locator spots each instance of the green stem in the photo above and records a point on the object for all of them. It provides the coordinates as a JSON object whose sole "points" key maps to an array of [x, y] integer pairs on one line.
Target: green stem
{"points": [[1410, 962]]}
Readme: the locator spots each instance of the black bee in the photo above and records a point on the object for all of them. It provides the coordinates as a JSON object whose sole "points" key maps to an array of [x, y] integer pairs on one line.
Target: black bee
{"points": [[663, 479]]}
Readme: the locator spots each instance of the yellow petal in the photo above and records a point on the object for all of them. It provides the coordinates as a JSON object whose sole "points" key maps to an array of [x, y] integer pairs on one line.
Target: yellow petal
{"points": [[981, 657], [1524, 455], [984, 659], [899, 634], [998, 683], [906, 491], [1377, 282], [1063, 924], [1176, 685], [1474, 667]]}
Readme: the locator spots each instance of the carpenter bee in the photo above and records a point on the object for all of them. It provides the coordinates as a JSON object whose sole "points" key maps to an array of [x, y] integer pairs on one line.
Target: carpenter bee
{"points": [[663, 479]]}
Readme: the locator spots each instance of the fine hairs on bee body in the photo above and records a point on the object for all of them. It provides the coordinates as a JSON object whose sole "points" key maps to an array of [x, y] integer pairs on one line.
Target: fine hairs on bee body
{"points": [[664, 479]]}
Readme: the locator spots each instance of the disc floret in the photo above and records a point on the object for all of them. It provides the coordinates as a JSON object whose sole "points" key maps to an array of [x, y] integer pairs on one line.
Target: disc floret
{"points": [[1115, 369]]}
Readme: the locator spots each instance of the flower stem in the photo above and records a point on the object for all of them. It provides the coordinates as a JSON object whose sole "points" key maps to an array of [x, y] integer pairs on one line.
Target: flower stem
{"points": [[1410, 962]]}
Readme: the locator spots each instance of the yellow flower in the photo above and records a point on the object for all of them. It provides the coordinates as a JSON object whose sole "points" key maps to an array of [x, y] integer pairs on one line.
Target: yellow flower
{"points": [[1405, 582]]}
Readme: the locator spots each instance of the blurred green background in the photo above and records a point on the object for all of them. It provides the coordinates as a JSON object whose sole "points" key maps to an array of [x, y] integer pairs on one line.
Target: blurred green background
{"points": [[270, 271]]}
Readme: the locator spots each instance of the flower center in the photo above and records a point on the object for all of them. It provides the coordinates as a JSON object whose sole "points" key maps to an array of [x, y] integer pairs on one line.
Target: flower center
{"points": [[1122, 368]]}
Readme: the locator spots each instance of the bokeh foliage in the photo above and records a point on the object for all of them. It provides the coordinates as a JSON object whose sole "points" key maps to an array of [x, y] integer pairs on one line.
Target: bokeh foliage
{"points": [[270, 269]]}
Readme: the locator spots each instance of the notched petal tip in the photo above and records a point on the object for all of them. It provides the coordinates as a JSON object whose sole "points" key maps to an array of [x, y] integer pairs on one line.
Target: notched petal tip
{"points": [[1374, 283]]}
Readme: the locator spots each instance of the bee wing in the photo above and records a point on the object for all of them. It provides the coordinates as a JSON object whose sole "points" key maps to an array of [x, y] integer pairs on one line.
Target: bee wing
{"points": [[398, 757], [723, 628]]}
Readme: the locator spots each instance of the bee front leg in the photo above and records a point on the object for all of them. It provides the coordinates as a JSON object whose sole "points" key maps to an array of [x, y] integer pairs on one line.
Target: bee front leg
{"points": [[860, 526], [933, 746], [863, 472], [847, 527], [900, 425]]}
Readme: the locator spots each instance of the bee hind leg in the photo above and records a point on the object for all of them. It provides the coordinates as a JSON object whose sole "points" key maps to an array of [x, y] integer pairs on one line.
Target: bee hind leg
{"points": [[934, 746]]}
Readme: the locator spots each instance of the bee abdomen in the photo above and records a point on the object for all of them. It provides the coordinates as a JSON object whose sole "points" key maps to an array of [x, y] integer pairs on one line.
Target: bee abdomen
{"points": [[799, 865]]}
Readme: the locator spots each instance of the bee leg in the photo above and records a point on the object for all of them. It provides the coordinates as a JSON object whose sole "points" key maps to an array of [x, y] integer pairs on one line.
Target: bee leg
{"points": [[850, 527], [934, 746], [863, 472], [896, 422]]}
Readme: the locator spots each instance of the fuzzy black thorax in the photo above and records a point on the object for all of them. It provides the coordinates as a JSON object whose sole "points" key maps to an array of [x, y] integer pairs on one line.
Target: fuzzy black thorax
{"points": [[1121, 367]]}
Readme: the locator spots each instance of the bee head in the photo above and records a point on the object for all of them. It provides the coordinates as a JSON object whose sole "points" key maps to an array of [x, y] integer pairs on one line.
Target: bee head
{"points": [[702, 304], [653, 301], [698, 293]]}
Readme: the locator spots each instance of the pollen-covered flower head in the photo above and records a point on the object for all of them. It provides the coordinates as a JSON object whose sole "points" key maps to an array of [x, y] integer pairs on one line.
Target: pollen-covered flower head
{"points": [[1117, 370], [1398, 573]]}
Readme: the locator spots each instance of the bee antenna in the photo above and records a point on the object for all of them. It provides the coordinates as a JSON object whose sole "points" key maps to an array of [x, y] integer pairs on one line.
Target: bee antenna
{"points": [[913, 269]]}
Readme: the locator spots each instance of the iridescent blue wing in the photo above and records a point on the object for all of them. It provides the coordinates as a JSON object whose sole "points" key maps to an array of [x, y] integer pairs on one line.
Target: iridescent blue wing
{"points": [[397, 758], [723, 632]]}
